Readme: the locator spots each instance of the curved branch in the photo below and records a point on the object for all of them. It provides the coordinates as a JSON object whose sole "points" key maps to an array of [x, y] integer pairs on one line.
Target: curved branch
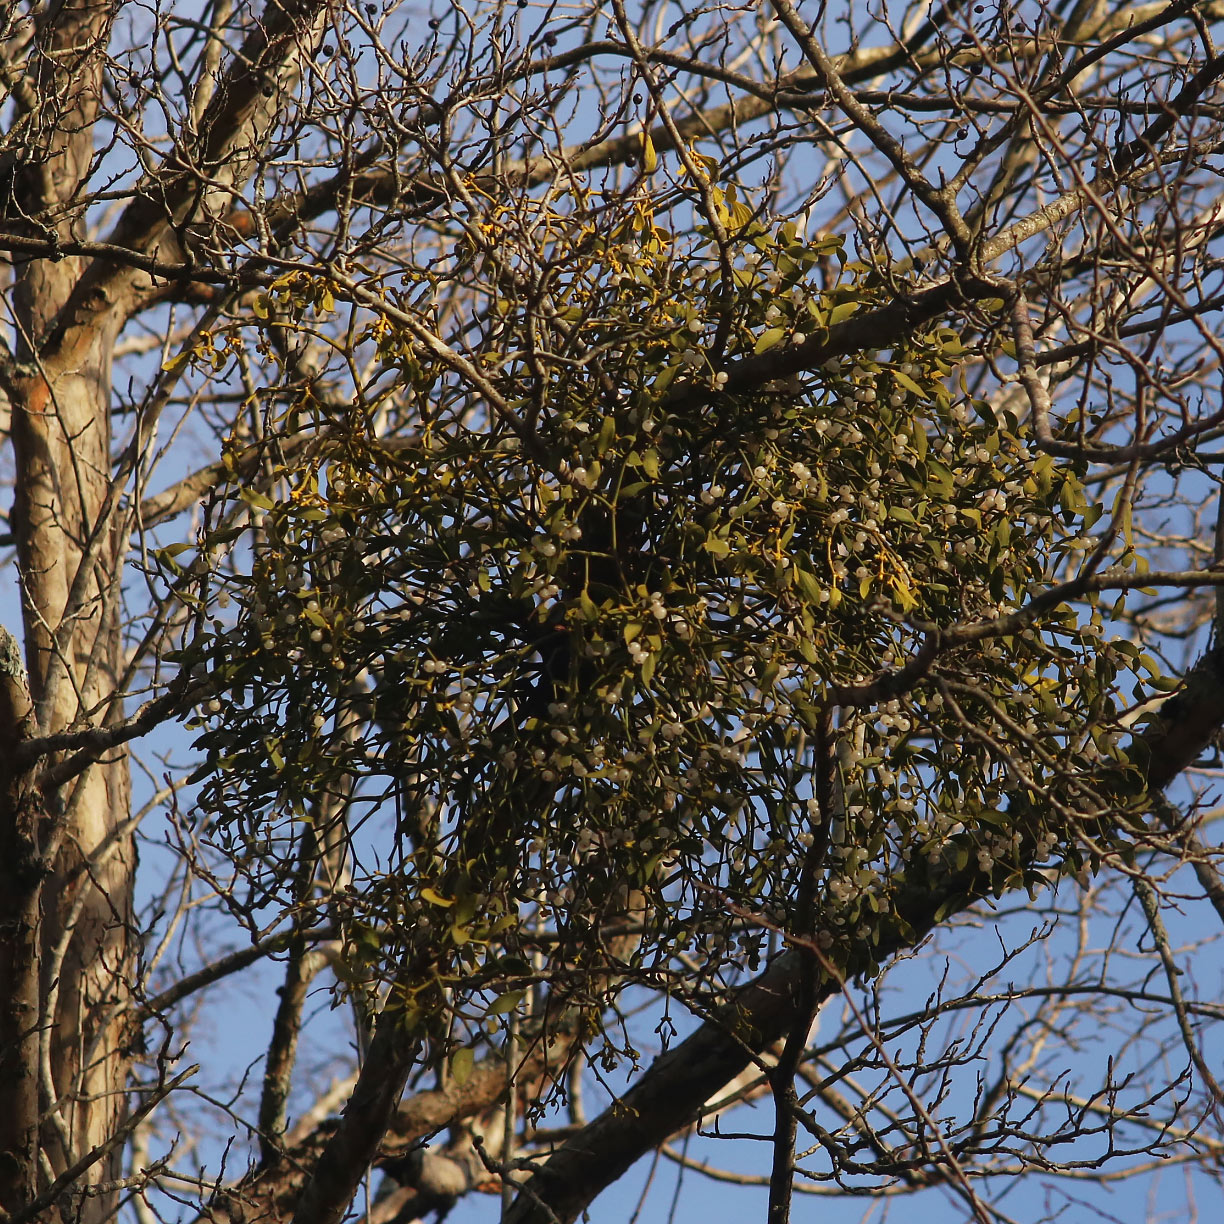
{"points": [[670, 1095], [195, 183]]}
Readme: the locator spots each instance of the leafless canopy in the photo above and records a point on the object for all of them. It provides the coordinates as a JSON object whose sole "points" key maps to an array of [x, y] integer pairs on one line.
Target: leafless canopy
{"points": [[642, 577]]}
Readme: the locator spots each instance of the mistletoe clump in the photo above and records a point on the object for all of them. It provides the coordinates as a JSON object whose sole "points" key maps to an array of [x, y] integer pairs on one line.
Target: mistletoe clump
{"points": [[577, 649]]}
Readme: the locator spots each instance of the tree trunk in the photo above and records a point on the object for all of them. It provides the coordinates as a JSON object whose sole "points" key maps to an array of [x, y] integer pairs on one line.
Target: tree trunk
{"points": [[67, 868]]}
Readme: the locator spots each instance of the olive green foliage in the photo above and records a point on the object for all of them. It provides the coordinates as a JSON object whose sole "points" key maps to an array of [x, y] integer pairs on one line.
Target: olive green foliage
{"points": [[568, 655]]}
